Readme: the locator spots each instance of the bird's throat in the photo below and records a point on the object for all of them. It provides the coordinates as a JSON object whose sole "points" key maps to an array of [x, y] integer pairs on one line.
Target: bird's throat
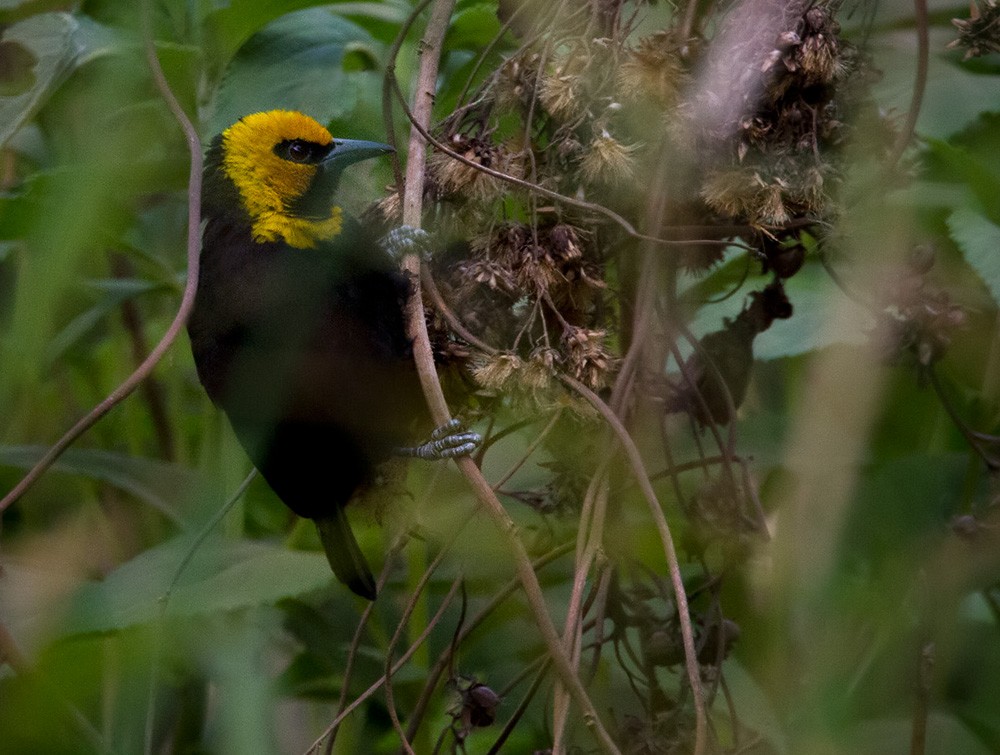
{"points": [[298, 232]]}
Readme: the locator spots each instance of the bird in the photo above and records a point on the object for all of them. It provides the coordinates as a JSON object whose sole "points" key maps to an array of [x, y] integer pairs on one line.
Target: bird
{"points": [[297, 329]]}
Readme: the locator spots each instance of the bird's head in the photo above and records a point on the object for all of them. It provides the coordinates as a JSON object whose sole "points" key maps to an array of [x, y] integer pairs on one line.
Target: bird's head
{"points": [[285, 168]]}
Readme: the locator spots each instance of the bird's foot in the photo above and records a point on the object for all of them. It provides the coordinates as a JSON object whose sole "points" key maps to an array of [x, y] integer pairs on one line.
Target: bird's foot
{"points": [[447, 442], [406, 240]]}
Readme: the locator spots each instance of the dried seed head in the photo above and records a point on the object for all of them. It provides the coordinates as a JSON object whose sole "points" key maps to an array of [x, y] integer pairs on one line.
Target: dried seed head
{"points": [[494, 372], [980, 33], [460, 179], [819, 58], [608, 161], [536, 376], [390, 208], [652, 71], [565, 242], [487, 273], [559, 94], [515, 82], [587, 358]]}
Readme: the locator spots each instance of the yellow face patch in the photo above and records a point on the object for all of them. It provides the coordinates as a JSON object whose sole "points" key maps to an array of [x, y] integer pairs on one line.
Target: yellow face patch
{"points": [[269, 184]]}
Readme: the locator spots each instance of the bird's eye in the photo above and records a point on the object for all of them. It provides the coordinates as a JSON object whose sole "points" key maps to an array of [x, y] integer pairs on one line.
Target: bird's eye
{"points": [[298, 152]]}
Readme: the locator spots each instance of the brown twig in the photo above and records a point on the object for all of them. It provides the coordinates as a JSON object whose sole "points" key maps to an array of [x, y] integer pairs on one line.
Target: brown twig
{"points": [[532, 447], [403, 621], [352, 652], [456, 325], [424, 358], [590, 536], [974, 439], [403, 660], [152, 389], [444, 660], [187, 300], [680, 233], [919, 84], [508, 728], [918, 735]]}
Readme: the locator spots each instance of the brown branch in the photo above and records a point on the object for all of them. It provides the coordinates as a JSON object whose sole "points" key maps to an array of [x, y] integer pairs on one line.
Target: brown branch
{"points": [[187, 301], [456, 325], [423, 356]]}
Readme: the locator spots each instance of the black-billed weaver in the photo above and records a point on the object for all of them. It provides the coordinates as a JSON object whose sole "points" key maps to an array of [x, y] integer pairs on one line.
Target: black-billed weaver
{"points": [[298, 330]]}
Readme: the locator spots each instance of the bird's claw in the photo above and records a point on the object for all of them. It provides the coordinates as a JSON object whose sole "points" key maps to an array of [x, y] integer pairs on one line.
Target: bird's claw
{"points": [[406, 239], [447, 442]]}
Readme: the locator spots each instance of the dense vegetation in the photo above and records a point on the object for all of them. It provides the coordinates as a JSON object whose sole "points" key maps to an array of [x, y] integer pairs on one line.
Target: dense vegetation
{"points": [[719, 284]]}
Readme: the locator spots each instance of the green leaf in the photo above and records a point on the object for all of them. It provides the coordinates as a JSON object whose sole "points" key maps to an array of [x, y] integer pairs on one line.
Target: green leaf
{"points": [[473, 28], [298, 63], [158, 483], [979, 240], [14, 10], [41, 51], [221, 576], [953, 96], [116, 292], [966, 163]]}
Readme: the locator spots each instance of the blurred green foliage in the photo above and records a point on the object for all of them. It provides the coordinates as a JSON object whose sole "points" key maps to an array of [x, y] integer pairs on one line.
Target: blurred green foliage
{"points": [[248, 654]]}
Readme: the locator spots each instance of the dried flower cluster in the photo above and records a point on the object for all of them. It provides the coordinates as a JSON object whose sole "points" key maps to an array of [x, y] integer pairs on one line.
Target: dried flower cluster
{"points": [[979, 34], [538, 290], [653, 70], [918, 318], [455, 179], [780, 144]]}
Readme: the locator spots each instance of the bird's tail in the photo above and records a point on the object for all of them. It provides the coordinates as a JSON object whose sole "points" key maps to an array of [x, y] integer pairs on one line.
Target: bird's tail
{"points": [[344, 555]]}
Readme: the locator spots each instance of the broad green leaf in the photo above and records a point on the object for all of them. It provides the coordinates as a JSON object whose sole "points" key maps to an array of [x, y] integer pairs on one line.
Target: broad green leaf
{"points": [[158, 483], [979, 240], [43, 51], [14, 10], [473, 28], [965, 163], [221, 576], [297, 63], [953, 97]]}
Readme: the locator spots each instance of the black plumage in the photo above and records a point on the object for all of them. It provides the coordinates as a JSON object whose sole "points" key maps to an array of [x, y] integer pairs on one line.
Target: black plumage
{"points": [[306, 352]]}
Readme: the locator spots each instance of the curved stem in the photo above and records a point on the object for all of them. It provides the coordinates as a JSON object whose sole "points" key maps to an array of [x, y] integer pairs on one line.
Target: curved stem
{"points": [[446, 657], [424, 358], [145, 369], [680, 595], [680, 232], [919, 84]]}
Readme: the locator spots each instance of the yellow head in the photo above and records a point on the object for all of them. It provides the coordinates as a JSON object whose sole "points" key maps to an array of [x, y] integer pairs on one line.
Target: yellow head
{"points": [[285, 167]]}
